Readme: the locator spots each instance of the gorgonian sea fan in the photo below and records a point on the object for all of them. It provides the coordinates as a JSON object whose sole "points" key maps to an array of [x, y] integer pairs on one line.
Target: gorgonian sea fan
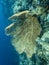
{"points": [[24, 35]]}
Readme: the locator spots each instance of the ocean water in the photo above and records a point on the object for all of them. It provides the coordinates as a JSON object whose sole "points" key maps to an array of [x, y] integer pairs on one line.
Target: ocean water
{"points": [[8, 55]]}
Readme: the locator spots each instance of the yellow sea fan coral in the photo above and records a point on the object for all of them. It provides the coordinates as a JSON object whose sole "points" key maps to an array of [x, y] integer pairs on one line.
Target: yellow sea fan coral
{"points": [[24, 36]]}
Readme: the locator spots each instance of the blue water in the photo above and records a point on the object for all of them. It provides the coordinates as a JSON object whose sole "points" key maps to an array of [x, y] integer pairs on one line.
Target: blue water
{"points": [[8, 55]]}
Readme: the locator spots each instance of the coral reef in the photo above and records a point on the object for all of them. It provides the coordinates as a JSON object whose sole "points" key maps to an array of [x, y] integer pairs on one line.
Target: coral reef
{"points": [[30, 31]]}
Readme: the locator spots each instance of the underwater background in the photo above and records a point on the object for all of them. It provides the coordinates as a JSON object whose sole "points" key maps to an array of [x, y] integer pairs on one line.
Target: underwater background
{"points": [[8, 56]]}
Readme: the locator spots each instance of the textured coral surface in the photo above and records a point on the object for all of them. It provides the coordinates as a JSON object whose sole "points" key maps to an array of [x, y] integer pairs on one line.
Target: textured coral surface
{"points": [[24, 36]]}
